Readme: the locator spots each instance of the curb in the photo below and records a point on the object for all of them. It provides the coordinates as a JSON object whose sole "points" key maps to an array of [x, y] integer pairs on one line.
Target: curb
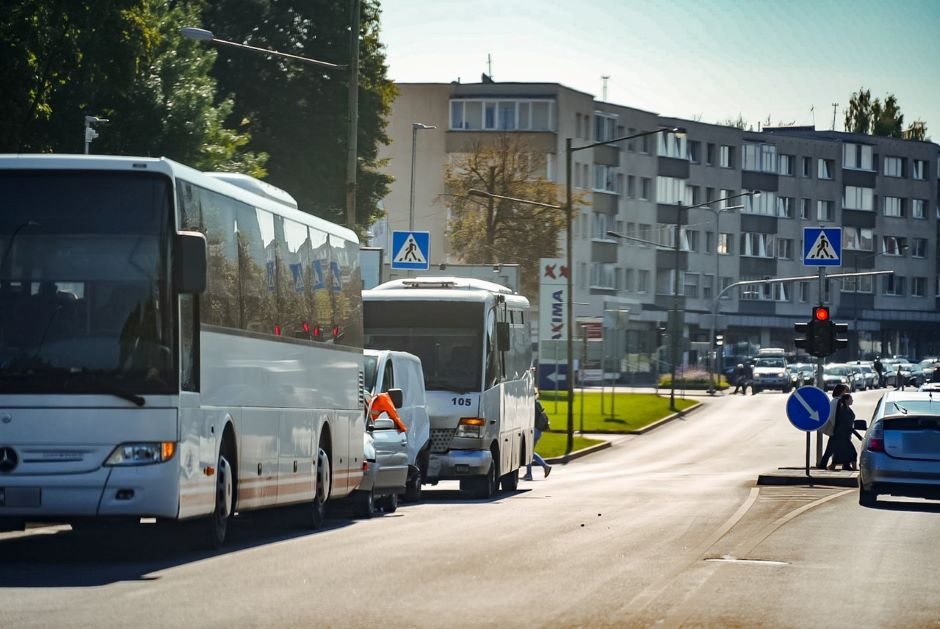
{"points": [[577, 454], [776, 479], [665, 420]]}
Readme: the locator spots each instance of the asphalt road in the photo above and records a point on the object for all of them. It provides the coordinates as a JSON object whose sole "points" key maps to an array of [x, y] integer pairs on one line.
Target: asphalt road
{"points": [[663, 529]]}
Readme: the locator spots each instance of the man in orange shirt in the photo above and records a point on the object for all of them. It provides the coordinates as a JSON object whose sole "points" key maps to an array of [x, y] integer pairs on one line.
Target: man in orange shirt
{"points": [[382, 403]]}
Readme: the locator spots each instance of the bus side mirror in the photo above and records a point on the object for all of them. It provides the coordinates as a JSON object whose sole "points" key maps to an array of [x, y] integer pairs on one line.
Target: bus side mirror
{"points": [[397, 397], [189, 263], [502, 336]]}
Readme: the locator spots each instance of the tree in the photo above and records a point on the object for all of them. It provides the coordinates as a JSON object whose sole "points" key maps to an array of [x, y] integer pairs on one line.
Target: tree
{"points": [[299, 113], [487, 231], [883, 118], [738, 123], [123, 60]]}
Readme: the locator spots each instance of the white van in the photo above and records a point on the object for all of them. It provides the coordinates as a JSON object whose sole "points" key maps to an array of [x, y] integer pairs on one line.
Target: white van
{"points": [[386, 369]]}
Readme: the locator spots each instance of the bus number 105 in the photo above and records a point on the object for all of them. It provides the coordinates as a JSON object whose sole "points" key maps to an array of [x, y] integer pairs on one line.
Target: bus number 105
{"points": [[461, 401]]}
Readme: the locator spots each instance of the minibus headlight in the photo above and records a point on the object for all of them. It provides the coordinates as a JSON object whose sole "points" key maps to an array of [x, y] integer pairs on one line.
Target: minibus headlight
{"points": [[470, 427], [142, 453]]}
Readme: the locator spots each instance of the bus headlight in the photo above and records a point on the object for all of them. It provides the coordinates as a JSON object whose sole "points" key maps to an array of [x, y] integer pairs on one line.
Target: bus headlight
{"points": [[470, 427], [142, 453]]}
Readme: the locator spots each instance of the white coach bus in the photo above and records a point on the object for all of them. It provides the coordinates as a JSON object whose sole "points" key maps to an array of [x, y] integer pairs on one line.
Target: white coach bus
{"points": [[476, 350], [172, 346]]}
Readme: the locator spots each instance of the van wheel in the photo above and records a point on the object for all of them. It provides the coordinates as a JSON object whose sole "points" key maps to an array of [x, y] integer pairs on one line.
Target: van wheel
{"points": [[486, 486], [390, 503]]}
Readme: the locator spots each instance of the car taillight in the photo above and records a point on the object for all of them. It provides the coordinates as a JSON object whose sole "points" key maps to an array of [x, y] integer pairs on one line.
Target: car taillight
{"points": [[876, 445]]}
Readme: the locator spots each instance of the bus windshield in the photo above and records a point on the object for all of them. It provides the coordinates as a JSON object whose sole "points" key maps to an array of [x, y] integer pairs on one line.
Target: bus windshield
{"points": [[446, 336], [84, 259]]}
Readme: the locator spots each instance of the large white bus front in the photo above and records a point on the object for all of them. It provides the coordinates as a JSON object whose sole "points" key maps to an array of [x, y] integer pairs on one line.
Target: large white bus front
{"points": [[89, 345]]}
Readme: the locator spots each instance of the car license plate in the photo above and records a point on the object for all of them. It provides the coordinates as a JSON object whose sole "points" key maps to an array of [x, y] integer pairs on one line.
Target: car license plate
{"points": [[922, 443], [20, 497]]}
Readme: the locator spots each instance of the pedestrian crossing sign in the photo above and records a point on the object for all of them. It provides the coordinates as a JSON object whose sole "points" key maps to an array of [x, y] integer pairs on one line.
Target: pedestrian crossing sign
{"points": [[411, 250], [822, 246]]}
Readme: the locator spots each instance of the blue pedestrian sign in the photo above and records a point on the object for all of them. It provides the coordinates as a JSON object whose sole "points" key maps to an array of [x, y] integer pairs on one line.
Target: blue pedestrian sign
{"points": [[822, 246], [808, 408], [411, 250]]}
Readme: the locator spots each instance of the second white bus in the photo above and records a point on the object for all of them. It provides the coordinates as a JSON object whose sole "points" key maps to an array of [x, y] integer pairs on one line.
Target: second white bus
{"points": [[475, 346]]}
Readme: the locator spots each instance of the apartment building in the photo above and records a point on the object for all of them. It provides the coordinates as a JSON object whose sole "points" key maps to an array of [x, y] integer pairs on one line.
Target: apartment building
{"points": [[882, 191]]}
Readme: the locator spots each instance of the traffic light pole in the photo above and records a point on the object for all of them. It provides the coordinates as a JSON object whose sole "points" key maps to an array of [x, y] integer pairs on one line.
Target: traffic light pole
{"points": [[820, 383]]}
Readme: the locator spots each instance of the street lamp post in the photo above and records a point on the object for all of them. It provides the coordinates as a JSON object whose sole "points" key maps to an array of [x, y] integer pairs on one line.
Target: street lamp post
{"points": [[569, 259], [203, 35], [415, 127]]}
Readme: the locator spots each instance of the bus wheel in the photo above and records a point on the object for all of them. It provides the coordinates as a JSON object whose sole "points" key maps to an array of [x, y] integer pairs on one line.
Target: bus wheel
{"points": [[486, 486], [317, 510], [215, 527]]}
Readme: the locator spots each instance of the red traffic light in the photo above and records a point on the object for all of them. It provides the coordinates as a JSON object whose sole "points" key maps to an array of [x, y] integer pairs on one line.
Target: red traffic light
{"points": [[821, 313]]}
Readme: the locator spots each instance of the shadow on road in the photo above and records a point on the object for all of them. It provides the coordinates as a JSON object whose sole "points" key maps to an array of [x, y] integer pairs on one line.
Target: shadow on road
{"points": [[904, 505], [455, 496], [67, 558]]}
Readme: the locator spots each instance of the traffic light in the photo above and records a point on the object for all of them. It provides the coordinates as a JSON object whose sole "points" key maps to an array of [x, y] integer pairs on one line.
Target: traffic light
{"points": [[806, 339], [840, 336]]}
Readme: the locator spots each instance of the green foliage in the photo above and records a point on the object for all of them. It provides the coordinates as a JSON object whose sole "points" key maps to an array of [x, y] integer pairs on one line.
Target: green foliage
{"points": [[297, 112], [122, 60], [877, 117], [485, 231]]}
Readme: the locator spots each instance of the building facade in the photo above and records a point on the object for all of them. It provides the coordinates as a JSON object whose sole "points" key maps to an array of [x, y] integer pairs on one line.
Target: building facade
{"points": [[883, 192]]}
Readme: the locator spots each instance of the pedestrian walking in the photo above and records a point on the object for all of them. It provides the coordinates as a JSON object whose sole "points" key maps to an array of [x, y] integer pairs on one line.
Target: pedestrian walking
{"points": [[829, 427], [739, 379], [899, 379], [880, 370], [541, 425], [843, 451]]}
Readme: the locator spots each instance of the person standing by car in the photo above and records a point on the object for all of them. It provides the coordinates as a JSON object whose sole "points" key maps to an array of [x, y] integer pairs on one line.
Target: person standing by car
{"points": [[843, 452], [739, 379], [899, 379], [749, 377], [541, 425], [829, 427], [880, 370]]}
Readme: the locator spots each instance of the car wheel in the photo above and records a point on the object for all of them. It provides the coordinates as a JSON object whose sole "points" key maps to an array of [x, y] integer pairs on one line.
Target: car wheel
{"points": [[867, 498], [364, 501], [390, 503]]}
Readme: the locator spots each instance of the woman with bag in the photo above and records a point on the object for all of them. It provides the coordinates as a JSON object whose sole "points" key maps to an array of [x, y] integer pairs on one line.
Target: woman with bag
{"points": [[843, 452], [541, 425]]}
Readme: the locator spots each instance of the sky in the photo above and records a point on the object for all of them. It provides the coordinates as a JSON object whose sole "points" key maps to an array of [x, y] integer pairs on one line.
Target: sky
{"points": [[709, 60]]}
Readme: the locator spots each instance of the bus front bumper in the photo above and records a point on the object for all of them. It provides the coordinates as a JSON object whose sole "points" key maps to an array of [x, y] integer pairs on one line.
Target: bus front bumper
{"points": [[457, 464], [138, 491]]}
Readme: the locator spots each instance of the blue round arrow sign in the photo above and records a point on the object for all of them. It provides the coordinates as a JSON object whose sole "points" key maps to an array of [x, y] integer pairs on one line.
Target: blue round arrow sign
{"points": [[808, 408]]}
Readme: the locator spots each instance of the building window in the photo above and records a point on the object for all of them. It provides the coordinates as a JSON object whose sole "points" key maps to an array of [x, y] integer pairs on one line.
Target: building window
{"points": [[826, 168], [825, 210], [918, 208], [857, 238], [760, 157], [602, 275], [893, 167], [804, 292], [631, 232], [785, 248], [642, 281], [708, 287], [725, 244], [671, 191], [628, 280], [893, 245], [690, 240], [709, 242], [784, 207], [757, 245], [894, 206], [785, 165], [856, 284], [672, 145], [725, 283], [765, 204], [604, 178], [666, 282], [695, 152], [726, 156], [725, 201], [645, 188], [856, 156], [631, 186], [918, 247], [691, 285], [709, 154], [630, 143], [582, 274], [918, 169], [855, 198], [605, 127], [599, 226], [694, 194], [502, 115], [646, 233], [645, 144], [806, 170], [918, 287], [806, 208], [892, 285]]}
